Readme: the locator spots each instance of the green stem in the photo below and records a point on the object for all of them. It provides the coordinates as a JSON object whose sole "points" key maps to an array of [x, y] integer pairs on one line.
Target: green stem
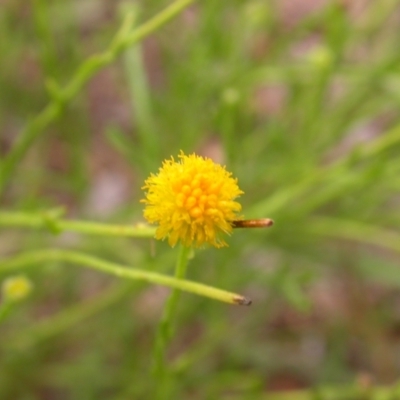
{"points": [[49, 220], [43, 32], [285, 196], [355, 230], [156, 22], [63, 95], [120, 271], [165, 331], [140, 102]]}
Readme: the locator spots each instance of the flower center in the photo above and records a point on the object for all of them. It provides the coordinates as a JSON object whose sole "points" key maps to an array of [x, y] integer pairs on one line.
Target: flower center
{"points": [[199, 198]]}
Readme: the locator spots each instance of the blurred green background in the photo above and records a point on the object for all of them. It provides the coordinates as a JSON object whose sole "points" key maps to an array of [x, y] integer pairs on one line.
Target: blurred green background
{"points": [[300, 100]]}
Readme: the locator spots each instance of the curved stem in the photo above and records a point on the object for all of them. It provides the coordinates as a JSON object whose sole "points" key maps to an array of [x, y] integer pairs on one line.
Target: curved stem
{"points": [[120, 271], [63, 95]]}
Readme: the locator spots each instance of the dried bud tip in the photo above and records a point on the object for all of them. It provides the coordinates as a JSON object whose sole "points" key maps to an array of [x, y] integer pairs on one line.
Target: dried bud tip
{"points": [[253, 223], [242, 301]]}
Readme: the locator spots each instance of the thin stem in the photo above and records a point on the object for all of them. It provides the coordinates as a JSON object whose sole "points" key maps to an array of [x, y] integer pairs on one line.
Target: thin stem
{"points": [[50, 220], [121, 271], [285, 196], [164, 332], [46, 39], [63, 95], [140, 102], [156, 22], [355, 230]]}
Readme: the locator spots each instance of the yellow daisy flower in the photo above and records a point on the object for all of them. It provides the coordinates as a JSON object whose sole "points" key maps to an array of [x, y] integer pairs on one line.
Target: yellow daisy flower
{"points": [[192, 201]]}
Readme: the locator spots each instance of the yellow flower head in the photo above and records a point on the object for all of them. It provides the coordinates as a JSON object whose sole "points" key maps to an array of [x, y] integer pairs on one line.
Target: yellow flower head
{"points": [[16, 288], [192, 200]]}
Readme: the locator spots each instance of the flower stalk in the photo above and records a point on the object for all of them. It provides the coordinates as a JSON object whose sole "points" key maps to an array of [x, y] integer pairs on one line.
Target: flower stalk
{"points": [[164, 332]]}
